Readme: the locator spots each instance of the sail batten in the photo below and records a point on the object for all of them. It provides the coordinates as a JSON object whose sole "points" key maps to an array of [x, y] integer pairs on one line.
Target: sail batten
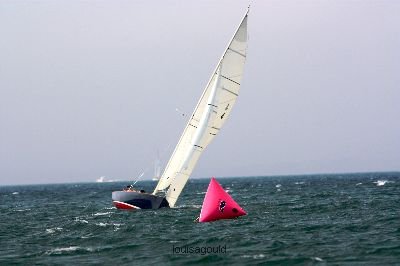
{"points": [[211, 112]]}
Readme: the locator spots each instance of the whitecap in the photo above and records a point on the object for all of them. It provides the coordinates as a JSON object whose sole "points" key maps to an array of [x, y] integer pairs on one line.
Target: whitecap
{"points": [[73, 248], [50, 231], [102, 224], [187, 206], [15, 193], [53, 230], [382, 182], [299, 183], [279, 185], [317, 259], [81, 220], [358, 184], [116, 227], [62, 250], [22, 210], [67, 250], [257, 256], [101, 213]]}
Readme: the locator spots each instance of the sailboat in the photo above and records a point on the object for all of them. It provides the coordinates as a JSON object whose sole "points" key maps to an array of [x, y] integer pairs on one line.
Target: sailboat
{"points": [[211, 112], [157, 169]]}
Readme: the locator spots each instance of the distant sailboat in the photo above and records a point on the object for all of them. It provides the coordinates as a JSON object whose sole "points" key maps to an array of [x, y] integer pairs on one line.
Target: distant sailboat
{"points": [[210, 114], [157, 169], [218, 204]]}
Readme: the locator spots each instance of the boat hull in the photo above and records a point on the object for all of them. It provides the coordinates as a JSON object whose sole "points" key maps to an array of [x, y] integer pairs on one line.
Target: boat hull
{"points": [[131, 200]]}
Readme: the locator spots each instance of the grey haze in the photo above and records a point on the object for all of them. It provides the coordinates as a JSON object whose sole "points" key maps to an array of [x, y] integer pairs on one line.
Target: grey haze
{"points": [[90, 88]]}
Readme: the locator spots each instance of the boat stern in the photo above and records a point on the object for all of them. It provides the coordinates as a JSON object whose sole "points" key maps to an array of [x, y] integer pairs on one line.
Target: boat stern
{"points": [[133, 200]]}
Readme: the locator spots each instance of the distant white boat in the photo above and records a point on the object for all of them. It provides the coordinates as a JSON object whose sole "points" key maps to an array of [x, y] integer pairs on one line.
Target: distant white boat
{"points": [[211, 112], [101, 179]]}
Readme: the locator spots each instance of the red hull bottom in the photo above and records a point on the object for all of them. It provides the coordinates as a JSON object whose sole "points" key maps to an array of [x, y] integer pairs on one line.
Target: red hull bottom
{"points": [[124, 206]]}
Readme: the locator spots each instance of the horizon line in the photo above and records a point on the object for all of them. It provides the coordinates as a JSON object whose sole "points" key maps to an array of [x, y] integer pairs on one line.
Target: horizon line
{"points": [[252, 176]]}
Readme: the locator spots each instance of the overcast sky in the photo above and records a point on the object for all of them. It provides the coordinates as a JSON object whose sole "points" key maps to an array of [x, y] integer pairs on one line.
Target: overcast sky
{"points": [[90, 88]]}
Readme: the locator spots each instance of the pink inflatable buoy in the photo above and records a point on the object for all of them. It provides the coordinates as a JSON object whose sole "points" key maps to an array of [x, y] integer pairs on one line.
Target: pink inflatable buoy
{"points": [[218, 204]]}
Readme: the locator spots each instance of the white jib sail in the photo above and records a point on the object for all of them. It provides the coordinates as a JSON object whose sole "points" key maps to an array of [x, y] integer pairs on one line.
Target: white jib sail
{"points": [[211, 112]]}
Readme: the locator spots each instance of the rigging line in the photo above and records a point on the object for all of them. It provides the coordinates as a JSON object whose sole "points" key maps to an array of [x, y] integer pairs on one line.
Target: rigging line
{"points": [[143, 172], [161, 155], [140, 176]]}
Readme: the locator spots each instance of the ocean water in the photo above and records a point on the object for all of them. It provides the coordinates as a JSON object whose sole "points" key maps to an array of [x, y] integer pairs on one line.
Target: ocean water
{"points": [[347, 219]]}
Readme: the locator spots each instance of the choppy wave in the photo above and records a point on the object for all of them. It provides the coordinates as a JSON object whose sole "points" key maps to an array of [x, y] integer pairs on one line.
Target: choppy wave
{"points": [[79, 220], [257, 256], [68, 250], [382, 182], [22, 210], [193, 206], [102, 213], [53, 230], [102, 224]]}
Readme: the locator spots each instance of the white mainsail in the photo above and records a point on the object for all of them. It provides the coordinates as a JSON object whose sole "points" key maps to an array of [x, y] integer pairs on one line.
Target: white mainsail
{"points": [[210, 114]]}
